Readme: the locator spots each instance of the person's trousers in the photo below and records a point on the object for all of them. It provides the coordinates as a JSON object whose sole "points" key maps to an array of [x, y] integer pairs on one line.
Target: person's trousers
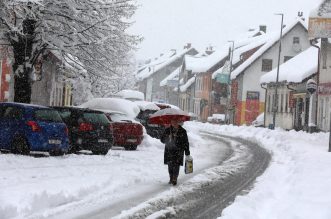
{"points": [[173, 169]]}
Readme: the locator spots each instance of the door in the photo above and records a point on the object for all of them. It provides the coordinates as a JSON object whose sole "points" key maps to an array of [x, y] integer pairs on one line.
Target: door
{"points": [[10, 123]]}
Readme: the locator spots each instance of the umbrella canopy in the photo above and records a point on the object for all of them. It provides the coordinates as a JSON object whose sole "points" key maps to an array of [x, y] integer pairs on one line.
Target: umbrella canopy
{"points": [[165, 116]]}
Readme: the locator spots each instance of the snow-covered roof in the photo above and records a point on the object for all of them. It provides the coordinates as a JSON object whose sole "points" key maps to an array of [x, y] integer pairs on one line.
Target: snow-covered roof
{"points": [[272, 39], [324, 10], [204, 63], [296, 69], [199, 64], [258, 41], [171, 76], [188, 84], [156, 66]]}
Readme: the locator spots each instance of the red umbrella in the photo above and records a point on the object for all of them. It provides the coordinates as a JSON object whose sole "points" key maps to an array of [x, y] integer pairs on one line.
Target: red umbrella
{"points": [[165, 116]]}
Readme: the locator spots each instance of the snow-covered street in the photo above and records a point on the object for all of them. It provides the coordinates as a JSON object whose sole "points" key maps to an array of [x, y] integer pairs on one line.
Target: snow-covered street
{"points": [[124, 182], [75, 185]]}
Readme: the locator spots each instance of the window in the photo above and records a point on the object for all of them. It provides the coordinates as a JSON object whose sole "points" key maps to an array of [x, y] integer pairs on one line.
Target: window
{"points": [[266, 65], [296, 40], [286, 58], [95, 118], [47, 115], [12, 113]]}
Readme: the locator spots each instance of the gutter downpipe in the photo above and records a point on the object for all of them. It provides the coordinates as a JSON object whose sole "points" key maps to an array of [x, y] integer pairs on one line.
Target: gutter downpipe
{"points": [[265, 103], [317, 78]]}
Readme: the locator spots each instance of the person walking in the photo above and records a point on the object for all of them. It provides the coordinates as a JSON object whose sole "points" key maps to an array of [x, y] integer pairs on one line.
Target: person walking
{"points": [[176, 143]]}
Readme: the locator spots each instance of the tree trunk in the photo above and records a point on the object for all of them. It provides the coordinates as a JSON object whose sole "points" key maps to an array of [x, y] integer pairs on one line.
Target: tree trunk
{"points": [[22, 47]]}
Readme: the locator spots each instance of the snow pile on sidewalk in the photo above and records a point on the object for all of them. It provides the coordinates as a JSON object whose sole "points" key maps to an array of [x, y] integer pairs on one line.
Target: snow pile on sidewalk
{"points": [[297, 182]]}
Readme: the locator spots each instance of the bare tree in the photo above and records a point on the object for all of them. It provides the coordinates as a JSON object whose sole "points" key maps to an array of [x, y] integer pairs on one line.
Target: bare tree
{"points": [[91, 31]]}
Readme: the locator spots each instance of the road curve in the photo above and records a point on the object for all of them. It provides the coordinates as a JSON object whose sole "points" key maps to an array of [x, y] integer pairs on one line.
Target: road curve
{"points": [[237, 174], [210, 202]]}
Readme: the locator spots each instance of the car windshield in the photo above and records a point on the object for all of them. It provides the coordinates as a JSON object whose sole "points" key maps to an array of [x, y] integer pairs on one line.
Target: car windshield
{"points": [[117, 117], [95, 118], [48, 115], [144, 115]]}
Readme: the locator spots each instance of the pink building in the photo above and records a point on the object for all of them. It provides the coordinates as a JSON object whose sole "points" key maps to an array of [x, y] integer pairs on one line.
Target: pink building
{"points": [[5, 70]]}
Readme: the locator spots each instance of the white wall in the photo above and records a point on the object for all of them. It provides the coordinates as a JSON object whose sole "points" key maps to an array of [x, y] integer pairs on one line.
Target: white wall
{"points": [[324, 100], [284, 116], [253, 73]]}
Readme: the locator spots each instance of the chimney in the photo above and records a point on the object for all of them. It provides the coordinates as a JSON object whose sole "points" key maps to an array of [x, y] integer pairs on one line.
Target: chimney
{"points": [[209, 50], [263, 28], [300, 15], [187, 46]]}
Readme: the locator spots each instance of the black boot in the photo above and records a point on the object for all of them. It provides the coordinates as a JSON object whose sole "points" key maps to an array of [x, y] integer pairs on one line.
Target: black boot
{"points": [[171, 179], [174, 180]]}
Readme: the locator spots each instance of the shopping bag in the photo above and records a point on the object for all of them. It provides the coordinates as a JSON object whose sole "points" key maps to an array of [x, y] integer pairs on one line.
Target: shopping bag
{"points": [[188, 164]]}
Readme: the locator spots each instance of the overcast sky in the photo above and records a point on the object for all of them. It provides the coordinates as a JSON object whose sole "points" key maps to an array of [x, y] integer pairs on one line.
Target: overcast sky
{"points": [[169, 24]]}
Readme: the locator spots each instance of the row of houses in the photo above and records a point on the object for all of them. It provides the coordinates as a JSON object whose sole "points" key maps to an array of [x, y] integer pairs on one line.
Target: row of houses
{"points": [[50, 82], [241, 82]]}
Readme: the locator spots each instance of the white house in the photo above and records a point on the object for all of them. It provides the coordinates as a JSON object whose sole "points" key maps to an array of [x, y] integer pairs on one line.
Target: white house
{"points": [[247, 96]]}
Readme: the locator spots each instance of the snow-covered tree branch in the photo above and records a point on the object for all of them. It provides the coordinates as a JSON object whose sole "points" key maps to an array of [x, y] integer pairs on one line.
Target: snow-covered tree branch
{"points": [[92, 31]]}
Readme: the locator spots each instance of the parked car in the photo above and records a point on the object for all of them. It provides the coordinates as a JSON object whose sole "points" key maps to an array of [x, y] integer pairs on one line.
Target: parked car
{"points": [[147, 109], [217, 119], [26, 127], [88, 129], [259, 121], [154, 130], [128, 133]]}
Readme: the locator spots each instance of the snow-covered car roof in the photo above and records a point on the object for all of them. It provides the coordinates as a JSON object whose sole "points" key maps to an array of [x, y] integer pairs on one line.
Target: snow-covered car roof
{"points": [[114, 104], [131, 95]]}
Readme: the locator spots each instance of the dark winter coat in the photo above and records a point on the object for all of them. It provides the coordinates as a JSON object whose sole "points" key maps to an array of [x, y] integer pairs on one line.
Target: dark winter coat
{"points": [[181, 143]]}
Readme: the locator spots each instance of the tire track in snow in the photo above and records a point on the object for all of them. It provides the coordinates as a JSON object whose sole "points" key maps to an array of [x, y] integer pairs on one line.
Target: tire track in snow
{"points": [[213, 190]]}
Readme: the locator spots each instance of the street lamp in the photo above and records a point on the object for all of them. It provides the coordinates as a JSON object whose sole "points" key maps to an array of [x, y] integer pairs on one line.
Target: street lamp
{"points": [[230, 71], [275, 107]]}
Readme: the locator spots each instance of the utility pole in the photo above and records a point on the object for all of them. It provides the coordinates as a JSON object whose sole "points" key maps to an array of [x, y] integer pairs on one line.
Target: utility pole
{"points": [[275, 107], [230, 71]]}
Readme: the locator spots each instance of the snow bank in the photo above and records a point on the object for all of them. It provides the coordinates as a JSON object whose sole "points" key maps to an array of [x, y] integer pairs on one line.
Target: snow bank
{"points": [[297, 182]]}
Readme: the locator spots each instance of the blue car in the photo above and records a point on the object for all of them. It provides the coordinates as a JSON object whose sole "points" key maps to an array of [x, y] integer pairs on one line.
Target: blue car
{"points": [[26, 127]]}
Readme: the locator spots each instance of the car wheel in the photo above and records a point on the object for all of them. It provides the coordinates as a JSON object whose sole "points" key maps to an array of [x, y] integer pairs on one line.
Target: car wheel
{"points": [[131, 148], [103, 152], [56, 153], [20, 146], [72, 149]]}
